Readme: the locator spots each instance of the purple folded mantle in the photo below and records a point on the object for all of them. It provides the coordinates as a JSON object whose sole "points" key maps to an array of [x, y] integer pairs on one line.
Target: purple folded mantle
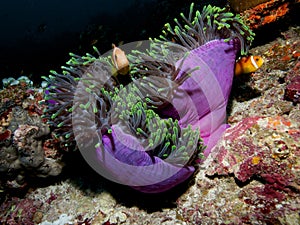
{"points": [[127, 162], [208, 89], [200, 101]]}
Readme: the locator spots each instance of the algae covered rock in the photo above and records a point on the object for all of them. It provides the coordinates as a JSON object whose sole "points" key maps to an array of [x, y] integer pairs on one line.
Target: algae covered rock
{"points": [[23, 135]]}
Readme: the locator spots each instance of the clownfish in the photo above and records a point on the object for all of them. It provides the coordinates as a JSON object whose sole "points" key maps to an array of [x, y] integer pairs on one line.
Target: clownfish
{"points": [[119, 60], [248, 64]]}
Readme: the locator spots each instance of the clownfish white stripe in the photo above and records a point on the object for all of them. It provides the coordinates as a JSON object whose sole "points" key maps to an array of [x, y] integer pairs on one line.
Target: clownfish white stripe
{"points": [[253, 62]]}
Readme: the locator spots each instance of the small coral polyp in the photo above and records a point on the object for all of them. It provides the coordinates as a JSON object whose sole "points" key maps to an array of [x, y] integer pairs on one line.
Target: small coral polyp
{"points": [[155, 121]]}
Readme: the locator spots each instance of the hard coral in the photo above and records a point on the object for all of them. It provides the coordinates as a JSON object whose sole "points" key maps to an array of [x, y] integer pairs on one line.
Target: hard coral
{"points": [[22, 135], [150, 127]]}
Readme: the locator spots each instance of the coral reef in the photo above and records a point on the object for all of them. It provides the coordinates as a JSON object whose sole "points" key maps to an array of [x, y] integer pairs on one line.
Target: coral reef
{"points": [[22, 135], [271, 145], [264, 149], [258, 188], [267, 12], [252, 175], [265, 92], [16, 212]]}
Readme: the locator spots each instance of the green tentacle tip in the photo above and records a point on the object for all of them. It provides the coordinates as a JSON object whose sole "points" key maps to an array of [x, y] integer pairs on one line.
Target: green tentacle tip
{"points": [[88, 90], [85, 106], [53, 116], [173, 148], [192, 6], [175, 130], [181, 149], [96, 49], [44, 77], [60, 124], [72, 54], [157, 140], [150, 144], [97, 145]]}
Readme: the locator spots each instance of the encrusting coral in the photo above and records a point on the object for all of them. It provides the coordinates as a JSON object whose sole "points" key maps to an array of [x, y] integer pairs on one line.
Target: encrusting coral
{"points": [[268, 11], [143, 130], [264, 149]]}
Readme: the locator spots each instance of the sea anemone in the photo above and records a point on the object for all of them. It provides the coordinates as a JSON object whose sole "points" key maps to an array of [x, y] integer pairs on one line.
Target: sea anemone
{"points": [[146, 130]]}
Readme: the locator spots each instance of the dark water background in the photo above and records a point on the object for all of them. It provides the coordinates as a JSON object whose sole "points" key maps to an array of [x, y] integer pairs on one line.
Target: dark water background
{"points": [[37, 35]]}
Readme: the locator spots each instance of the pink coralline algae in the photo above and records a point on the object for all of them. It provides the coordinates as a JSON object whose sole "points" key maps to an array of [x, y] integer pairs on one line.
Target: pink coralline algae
{"points": [[292, 91], [265, 149], [16, 211]]}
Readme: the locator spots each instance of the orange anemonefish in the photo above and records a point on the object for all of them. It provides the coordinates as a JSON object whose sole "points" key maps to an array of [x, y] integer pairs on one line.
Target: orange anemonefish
{"points": [[119, 60], [248, 64]]}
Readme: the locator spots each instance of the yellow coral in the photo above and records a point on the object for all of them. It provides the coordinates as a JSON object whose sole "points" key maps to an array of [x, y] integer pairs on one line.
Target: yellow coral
{"points": [[255, 160]]}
